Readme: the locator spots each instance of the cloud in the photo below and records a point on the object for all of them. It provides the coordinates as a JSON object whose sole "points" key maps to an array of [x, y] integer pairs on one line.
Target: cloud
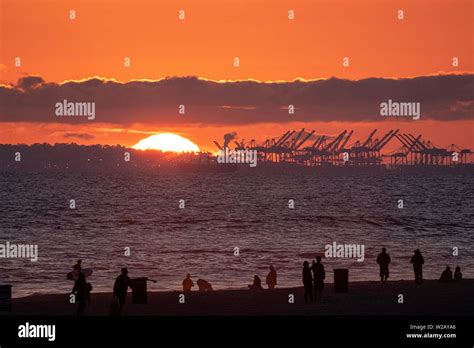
{"points": [[30, 82], [442, 97], [82, 136]]}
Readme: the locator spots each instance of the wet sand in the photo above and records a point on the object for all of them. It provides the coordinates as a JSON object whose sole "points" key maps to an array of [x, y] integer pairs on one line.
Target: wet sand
{"points": [[363, 298]]}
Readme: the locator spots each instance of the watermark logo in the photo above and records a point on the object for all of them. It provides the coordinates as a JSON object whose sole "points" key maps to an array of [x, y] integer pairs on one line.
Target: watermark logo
{"points": [[403, 109], [37, 331], [347, 251], [66, 108], [20, 251], [238, 156]]}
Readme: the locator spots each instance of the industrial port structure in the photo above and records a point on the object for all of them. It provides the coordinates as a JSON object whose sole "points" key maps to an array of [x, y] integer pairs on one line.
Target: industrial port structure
{"points": [[309, 149]]}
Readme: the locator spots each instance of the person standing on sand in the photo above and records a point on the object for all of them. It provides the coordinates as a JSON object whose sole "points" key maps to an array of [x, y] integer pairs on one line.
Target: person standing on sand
{"points": [[271, 278], [457, 274], [418, 261], [80, 291], [122, 283], [383, 260], [307, 282], [319, 274], [187, 283]]}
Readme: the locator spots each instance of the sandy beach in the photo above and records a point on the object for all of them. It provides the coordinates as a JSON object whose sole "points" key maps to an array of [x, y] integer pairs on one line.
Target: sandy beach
{"points": [[363, 298]]}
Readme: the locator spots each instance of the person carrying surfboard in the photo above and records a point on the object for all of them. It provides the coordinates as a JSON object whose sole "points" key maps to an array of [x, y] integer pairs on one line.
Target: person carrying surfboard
{"points": [[77, 269]]}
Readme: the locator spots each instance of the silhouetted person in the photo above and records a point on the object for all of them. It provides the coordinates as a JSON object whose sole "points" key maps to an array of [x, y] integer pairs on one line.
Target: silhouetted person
{"points": [[80, 290], [77, 267], [187, 283], [318, 276], [307, 282], [418, 261], [122, 283], [257, 283], [88, 293], [383, 260], [271, 278], [457, 274], [204, 285], [446, 276]]}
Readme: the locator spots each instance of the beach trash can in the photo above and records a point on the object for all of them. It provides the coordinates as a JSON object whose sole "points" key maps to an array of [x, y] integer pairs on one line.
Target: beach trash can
{"points": [[5, 297], [341, 280], [139, 290]]}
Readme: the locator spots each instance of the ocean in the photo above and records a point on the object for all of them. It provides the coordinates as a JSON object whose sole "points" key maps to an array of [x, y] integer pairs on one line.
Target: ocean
{"points": [[140, 211]]}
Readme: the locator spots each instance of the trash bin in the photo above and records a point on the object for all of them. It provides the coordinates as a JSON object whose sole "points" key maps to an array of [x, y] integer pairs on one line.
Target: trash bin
{"points": [[139, 291], [341, 280], [5, 297]]}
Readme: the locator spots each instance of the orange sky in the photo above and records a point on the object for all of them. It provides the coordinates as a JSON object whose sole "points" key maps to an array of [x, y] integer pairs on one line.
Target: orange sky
{"points": [[269, 45]]}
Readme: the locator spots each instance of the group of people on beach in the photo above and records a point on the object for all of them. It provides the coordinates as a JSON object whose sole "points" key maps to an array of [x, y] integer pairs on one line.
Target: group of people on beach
{"points": [[447, 275], [82, 290], [271, 280], [313, 281], [383, 259], [417, 260], [313, 277], [203, 285]]}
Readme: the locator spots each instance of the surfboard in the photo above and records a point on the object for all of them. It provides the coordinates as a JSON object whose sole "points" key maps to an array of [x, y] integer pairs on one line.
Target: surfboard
{"points": [[75, 274]]}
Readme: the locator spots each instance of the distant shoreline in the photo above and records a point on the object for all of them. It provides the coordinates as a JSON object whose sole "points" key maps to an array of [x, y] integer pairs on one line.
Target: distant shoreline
{"points": [[363, 298]]}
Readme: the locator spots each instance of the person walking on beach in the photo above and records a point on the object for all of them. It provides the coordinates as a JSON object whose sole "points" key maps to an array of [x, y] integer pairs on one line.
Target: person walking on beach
{"points": [[271, 278], [122, 283], [383, 260], [418, 261], [307, 282], [187, 283], [80, 290], [457, 274], [319, 274]]}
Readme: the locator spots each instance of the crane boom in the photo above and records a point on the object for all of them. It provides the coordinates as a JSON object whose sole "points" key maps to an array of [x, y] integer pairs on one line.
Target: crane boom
{"points": [[304, 139], [413, 145], [281, 139], [338, 141], [286, 138], [334, 141], [369, 138], [381, 140], [402, 140], [382, 145], [321, 140], [346, 140], [423, 146], [297, 138]]}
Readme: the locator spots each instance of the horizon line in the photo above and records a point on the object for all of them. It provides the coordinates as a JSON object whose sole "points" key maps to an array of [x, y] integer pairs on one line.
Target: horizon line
{"points": [[221, 81]]}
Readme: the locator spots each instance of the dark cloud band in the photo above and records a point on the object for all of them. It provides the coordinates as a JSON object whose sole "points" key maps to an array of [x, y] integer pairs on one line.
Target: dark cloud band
{"points": [[442, 97]]}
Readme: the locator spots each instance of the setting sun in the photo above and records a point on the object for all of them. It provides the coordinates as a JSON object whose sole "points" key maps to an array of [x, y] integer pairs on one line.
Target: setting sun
{"points": [[166, 142]]}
